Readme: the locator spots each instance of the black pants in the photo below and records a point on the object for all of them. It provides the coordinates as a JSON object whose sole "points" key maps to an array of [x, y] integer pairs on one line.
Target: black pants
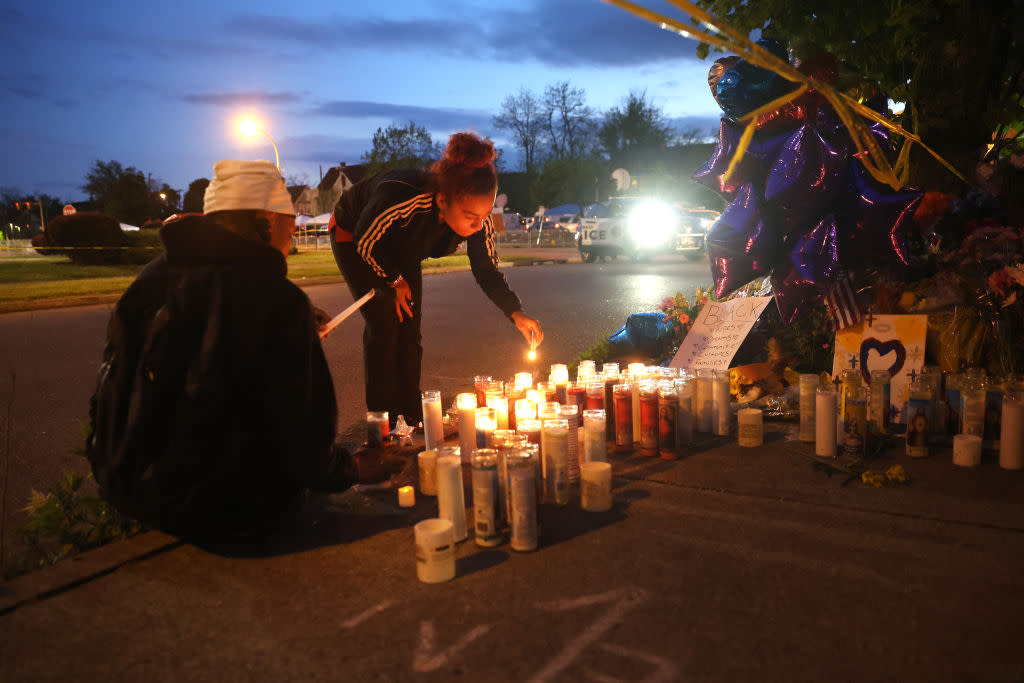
{"points": [[392, 350]]}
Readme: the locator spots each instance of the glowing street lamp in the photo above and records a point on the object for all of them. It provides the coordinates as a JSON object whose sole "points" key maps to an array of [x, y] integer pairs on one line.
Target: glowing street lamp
{"points": [[249, 128]]}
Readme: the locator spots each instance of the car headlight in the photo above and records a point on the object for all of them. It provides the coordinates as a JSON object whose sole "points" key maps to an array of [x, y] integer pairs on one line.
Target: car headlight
{"points": [[651, 223], [706, 223]]}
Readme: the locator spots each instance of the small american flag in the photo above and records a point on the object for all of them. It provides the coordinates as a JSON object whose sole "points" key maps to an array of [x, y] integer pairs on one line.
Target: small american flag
{"points": [[842, 305]]}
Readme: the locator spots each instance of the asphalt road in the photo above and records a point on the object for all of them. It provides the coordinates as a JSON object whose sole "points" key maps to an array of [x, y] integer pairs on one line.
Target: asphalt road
{"points": [[53, 355]]}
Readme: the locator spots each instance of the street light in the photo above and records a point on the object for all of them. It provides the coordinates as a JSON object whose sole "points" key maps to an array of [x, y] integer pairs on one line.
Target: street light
{"points": [[249, 128]]}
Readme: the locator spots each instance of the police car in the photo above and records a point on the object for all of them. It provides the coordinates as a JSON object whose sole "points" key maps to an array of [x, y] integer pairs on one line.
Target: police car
{"points": [[634, 227]]}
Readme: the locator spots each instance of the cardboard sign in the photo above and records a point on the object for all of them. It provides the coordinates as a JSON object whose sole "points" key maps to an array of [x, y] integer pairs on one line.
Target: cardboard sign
{"points": [[718, 331], [884, 342]]}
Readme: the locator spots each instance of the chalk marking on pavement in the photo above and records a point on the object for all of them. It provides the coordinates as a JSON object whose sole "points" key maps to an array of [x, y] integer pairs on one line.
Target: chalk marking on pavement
{"points": [[425, 659], [363, 616], [623, 600], [666, 670]]}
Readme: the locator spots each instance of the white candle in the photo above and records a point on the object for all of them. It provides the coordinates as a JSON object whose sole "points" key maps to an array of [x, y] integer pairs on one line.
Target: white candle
{"points": [[966, 450], [1011, 437], [435, 550], [486, 499], [559, 373], [500, 406], [523, 381], [596, 489], [486, 423], [720, 401], [595, 445], [684, 418], [548, 410], [704, 407], [525, 409], [433, 424], [750, 427], [451, 499], [428, 472], [825, 423], [634, 380], [555, 440], [808, 385], [466, 405], [406, 497]]}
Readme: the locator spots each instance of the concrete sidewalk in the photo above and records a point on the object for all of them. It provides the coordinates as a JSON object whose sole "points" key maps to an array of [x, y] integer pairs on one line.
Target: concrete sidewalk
{"points": [[729, 564]]}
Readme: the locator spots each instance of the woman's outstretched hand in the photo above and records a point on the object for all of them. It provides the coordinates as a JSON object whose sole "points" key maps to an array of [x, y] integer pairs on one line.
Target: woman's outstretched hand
{"points": [[529, 327]]}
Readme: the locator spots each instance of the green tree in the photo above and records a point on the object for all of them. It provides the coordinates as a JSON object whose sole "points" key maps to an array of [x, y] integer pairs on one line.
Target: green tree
{"points": [[635, 135], [194, 195], [568, 121], [522, 116], [956, 63], [572, 181], [395, 147], [127, 194]]}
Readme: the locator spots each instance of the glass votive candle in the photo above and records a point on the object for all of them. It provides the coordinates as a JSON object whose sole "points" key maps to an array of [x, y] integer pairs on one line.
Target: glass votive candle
{"points": [[377, 427], [576, 393], [622, 398], [596, 486], [466, 404], [648, 418], [500, 406], [486, 423], [549, 391], [536, 396], [585, 370], [555, 450], [487, 515], [479, 382], [610, 370], [595, 445], [668, 413], [433, 420], [523, 380], [595, 396], [525, 410], [638, 370], [548, 410], [531, 428]]}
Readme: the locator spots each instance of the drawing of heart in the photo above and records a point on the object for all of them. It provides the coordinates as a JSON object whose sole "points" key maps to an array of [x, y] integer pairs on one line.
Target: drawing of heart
{"points": [[882, 348]]}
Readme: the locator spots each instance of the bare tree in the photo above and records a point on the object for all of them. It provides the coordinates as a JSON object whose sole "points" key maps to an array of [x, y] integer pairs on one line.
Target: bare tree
{"points": [[568, 121], [521, 115]]}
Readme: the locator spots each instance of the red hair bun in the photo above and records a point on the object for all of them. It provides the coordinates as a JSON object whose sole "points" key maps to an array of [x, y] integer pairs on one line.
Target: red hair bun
{"points": [[467, 149]]}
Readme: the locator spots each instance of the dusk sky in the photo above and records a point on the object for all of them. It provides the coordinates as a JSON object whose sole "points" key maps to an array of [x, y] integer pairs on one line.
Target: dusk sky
{"points": [[159, 86]]}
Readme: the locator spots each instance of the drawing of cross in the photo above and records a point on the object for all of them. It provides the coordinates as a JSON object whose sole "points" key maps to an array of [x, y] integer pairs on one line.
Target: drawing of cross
{"points": [[915, 354], [912, 375], [853, 362], [870, 318]]}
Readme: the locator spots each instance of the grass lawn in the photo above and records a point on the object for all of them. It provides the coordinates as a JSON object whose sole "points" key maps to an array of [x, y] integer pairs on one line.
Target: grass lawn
{"points": [[37, 280]]}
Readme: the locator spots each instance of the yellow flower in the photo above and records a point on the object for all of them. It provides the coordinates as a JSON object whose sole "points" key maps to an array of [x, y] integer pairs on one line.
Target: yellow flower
{"points": [[872, 478], [896, 474]]}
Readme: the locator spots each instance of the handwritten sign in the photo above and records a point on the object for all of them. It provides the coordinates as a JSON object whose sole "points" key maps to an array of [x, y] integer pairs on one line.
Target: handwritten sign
{"points": [[718, 331], [884, 342]]}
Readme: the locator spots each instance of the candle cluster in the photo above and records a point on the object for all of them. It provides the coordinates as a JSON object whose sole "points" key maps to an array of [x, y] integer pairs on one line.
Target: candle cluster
{"points": [[939, 409]]}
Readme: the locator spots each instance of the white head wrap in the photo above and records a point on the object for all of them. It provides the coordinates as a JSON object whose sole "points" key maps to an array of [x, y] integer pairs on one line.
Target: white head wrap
{"points": [[247, 185]]}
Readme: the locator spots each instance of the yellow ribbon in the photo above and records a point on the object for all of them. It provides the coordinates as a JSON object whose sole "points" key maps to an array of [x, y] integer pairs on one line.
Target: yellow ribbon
{"points": [[723, 36]]}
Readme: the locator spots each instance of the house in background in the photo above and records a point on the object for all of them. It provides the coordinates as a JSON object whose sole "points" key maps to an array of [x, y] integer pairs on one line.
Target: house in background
{"points": [[322, 198]]}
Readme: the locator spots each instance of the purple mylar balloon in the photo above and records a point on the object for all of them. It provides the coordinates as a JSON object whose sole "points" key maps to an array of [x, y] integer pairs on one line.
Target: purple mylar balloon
{"points": [[759, 157], [874, 222], [805, 180], [811, 272], [739, 246]]}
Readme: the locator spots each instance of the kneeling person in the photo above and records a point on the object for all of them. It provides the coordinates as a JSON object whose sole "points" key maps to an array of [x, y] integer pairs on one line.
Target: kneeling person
{"points": [[215, 408]]}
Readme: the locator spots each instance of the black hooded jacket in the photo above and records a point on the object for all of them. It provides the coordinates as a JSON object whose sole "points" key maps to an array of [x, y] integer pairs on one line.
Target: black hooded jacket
{"points": [[214, 406], [394, 223]]}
